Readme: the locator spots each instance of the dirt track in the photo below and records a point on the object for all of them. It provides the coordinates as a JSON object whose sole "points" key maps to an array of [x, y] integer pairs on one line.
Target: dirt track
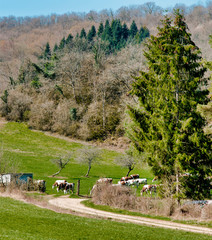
{"points": [[75, 205]]}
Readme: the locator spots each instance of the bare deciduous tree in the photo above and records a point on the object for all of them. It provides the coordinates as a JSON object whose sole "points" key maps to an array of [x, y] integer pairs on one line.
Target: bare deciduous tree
{"points": [[88, 156], [61, 162], [126, 161]]}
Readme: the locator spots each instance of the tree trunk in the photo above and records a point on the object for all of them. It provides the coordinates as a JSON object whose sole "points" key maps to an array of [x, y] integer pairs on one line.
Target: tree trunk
{"points": [[89, 168], [129, 170], [62, 166], [57, 172], [177, 182], [103, 109]]}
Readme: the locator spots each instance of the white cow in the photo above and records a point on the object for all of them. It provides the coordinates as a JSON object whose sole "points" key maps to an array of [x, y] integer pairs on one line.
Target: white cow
{"points": [[141, 180], [104, 180], [40, 184], [57, 183]]}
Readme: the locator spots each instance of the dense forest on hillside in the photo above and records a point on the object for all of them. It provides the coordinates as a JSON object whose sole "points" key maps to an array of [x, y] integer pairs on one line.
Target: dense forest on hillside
{"points": [[72, 73]]}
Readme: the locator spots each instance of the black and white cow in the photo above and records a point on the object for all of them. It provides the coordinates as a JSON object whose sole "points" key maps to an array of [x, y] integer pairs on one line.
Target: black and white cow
{"points": [[57, 183], [69, 187]]}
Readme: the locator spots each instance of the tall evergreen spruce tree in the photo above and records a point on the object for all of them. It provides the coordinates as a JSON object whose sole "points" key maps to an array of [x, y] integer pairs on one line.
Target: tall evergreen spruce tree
{"points": [[125, 31], [69, 39], [166, 126], [55, 47], [83, 33], [62, 43], [100, 29], [47, 52], [91, 34], [117, 34], [133, 29], [107, 33]]}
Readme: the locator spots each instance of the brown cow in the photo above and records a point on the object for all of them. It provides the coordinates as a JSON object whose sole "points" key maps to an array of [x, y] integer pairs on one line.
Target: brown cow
{"points": [[134, 176], [126, 178], [57, 183], [148, 188], [155, 179]]}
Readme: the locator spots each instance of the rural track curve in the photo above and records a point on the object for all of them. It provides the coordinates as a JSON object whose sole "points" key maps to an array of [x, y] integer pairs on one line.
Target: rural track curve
{"points": [[75, 205]]}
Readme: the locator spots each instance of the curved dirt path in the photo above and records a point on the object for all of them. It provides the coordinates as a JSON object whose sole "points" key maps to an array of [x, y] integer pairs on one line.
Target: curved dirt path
{"points": [[76, 206]]}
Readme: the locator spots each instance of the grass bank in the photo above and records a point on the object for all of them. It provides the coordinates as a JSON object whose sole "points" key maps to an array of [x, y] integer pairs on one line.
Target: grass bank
{"points": [[33, 151], [20, 221]]}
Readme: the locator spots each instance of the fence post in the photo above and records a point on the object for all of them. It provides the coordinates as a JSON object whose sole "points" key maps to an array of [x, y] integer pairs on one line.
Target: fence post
{"points": [[78, 187]]}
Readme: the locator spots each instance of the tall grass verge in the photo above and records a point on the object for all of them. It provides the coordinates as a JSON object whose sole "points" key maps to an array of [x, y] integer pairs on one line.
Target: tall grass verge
{"points": [[122, 197]]}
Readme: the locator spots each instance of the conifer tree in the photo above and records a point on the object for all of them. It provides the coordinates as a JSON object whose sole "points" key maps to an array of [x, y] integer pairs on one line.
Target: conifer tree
{"points": [[62, 43], [55, 47], [47, 52], [100, 29], [206, 110], [69, 39], [107, 33], [91, 34], [83, 33], [117, 34], [142, 34], [166, 126], [133, 29], [125, 31]]}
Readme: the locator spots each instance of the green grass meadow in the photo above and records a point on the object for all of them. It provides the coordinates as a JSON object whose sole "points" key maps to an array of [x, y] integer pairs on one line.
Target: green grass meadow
{"points": [[21, 221], [33, 151]]}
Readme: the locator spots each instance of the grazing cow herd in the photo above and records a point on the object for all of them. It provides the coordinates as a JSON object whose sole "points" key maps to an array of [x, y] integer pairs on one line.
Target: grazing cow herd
{"points": [[132, 180], [64, 186]]}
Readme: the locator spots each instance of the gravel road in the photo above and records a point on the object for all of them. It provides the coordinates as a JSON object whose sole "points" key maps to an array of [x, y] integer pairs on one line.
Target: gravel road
{"points": [[76, 206]]}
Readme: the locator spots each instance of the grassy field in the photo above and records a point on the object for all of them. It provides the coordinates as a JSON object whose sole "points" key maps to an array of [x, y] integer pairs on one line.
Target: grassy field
{"points": [[22, 221], [33, 152]]}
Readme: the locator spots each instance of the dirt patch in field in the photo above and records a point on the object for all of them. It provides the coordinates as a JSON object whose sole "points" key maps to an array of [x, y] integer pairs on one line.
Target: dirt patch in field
{"points": [[20, 151], [58, 177]]}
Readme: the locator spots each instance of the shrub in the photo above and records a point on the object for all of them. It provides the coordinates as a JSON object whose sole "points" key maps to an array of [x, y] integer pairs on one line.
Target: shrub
{"points": [[18, 106], [125, 198], [41, 115]]}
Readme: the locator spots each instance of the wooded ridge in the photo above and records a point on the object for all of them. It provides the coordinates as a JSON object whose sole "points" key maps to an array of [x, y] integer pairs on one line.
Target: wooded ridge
{"points": [[71, 73]]}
